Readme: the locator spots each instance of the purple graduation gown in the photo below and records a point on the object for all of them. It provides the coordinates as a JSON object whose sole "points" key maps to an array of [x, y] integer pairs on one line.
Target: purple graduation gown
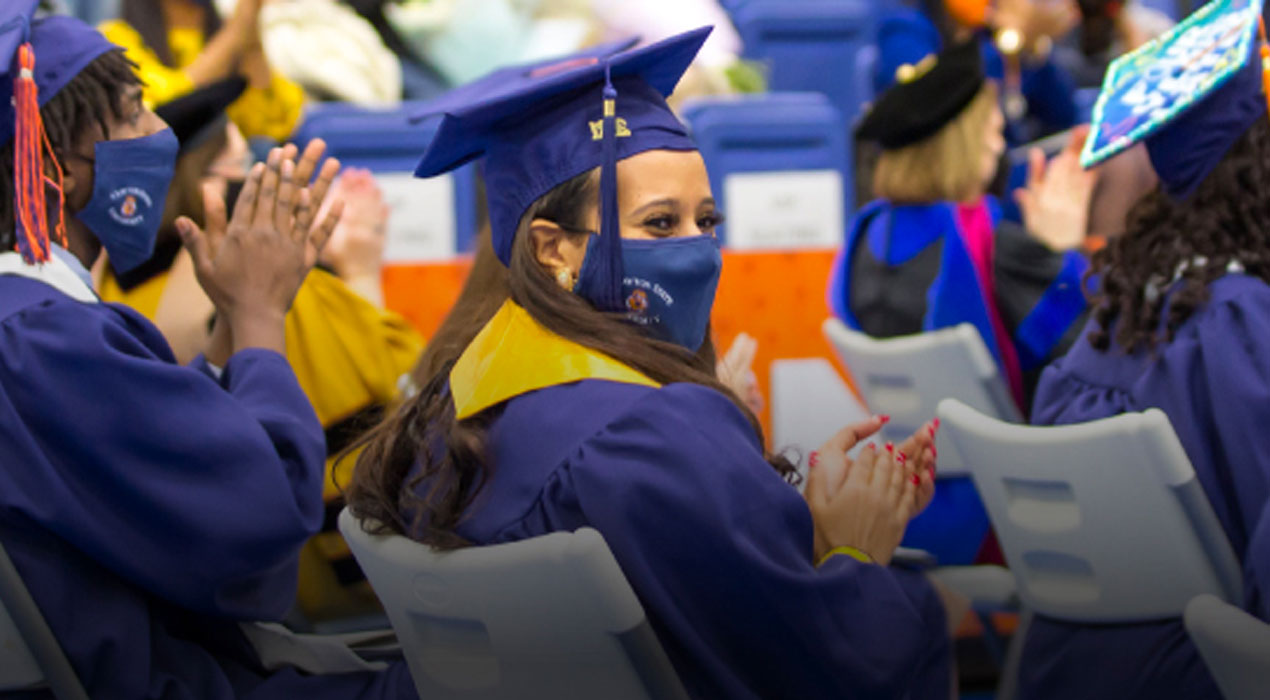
{"points": [[1213, 382], [715, 544], [149, 506]]}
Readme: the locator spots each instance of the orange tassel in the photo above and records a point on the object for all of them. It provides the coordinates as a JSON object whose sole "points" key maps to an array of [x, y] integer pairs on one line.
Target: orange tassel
{"points": [[30, 142], [1265, 59]]}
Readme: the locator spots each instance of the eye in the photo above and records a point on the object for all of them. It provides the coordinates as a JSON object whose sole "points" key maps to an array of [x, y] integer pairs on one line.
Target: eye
{"points": [[710, 222], [662, 223]]}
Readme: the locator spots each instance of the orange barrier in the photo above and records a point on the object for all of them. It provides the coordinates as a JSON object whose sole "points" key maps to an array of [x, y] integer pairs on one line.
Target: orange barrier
{"points": [[777, 297]]}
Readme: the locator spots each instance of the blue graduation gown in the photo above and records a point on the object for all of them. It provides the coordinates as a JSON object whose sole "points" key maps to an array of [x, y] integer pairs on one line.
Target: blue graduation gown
{"points": [[1213, 382], [715, 544], [150, 506], [907, 35]]}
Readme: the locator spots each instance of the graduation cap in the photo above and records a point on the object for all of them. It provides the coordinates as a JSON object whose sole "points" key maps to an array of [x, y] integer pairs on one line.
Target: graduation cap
{"points": [[541, 125], [1188, 95], [927, 96], [199, 114], [38, 57]]}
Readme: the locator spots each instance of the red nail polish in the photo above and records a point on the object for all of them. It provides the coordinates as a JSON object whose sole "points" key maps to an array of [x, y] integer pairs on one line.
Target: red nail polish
{"points": [[884, 419], [902, 458], [936, 424], [872, 446], [813, 459], [890, 447], [916, 480]]}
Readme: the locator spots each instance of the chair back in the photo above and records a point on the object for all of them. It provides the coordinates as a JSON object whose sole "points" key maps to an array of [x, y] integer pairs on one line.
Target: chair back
{"points": [[543, 618], [779, 165], [1234, 645], [31, 656], [906, 378], [1101, 522]]}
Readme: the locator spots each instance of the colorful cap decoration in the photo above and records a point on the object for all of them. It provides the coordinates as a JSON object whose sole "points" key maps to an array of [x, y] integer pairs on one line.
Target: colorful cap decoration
{"points": [[1188, 95], [38, 57], [539, 126]]}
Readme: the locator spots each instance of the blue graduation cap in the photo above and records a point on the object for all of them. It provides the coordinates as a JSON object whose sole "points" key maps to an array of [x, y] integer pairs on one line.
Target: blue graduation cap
{"points": [[1188, 95], [539, 126], [38, 57]]}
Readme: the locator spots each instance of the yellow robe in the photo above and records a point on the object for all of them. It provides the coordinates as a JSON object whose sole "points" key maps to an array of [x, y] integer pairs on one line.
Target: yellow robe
{"points": [[348, 356], [271, 112]]}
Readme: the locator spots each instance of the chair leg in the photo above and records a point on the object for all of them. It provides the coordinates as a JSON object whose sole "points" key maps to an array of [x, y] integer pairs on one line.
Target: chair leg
{"points": [[1009, 688]]}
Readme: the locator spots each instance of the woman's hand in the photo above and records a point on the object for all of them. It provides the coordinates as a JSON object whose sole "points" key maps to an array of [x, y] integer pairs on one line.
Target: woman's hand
{"points": [[356, 249], [252, 265], [736, 371], [1055, 203], [865, 503]]}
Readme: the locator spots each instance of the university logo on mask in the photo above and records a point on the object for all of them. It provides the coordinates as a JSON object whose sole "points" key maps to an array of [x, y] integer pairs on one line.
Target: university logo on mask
{"points": [[133, 206]]}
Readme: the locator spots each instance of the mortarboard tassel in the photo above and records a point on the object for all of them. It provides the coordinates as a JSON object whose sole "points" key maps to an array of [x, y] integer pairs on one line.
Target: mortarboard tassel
{"points": [[1265, 59], [30, 140], [608, 246]]}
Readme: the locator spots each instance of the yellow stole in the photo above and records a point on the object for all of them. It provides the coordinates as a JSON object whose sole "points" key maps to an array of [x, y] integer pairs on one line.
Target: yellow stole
{"points": [[514, 355]]}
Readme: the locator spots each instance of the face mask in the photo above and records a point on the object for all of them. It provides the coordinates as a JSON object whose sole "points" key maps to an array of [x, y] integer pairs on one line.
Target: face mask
{"points": [[130, 185], [669, 286]]}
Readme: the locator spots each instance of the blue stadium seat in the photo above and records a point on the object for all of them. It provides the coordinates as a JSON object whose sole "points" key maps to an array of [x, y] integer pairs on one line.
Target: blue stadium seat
{"points": [[811, 45], [388, 144], [773, 133]]}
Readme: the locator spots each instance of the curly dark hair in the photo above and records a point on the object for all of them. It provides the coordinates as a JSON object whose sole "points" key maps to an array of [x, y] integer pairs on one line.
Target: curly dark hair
{"points": [[93, 98], [1226, 219]]}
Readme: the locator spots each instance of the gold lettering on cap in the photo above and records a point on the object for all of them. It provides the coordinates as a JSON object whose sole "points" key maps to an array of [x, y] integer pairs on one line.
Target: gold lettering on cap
{"points": [[597, 129]]}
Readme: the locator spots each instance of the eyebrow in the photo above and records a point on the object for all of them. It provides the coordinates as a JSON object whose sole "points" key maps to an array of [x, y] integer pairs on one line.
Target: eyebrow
{"points": [[670, 202]]}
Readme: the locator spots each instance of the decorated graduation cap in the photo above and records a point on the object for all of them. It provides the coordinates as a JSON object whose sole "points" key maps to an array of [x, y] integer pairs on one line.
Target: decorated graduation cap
{"points": [[198, 115], [927, 96], [38, 57], [1188, 95], [538, 126]]}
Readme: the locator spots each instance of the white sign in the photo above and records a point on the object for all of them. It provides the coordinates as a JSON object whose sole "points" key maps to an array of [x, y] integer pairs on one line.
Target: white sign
{"points": [[792, 209], [421, 227]]}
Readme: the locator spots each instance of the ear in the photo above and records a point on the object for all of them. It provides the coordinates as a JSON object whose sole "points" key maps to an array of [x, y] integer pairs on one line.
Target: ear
{"points": [[555, 249]]}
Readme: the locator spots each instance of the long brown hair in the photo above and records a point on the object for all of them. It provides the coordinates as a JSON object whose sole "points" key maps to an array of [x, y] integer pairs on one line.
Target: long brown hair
{"points": [[451, 453], [1226, 219]]}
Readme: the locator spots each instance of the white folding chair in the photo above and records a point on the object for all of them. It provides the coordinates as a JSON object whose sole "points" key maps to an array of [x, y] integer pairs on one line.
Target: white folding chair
{"points": [[1101, 522], [1234, 645], [544, 618], [810, 402], [30, 657]]}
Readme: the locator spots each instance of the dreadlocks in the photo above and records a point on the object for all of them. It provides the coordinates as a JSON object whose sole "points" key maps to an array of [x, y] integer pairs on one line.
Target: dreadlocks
{"points": [[72, 113]]}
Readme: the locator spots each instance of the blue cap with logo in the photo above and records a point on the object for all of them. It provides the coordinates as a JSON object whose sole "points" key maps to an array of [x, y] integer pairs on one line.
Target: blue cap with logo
{"points": [[1188, 95], [538, 126]]}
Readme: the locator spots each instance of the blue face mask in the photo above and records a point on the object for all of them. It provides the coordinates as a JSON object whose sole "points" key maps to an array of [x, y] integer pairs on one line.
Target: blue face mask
{"points": [[130, 186], [669, 286]]}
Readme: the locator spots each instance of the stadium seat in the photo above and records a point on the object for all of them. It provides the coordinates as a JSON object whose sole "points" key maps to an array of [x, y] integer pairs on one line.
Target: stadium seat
{"points": [[1102, 522], [1234, 645], [906, 378], [544, 618], [810, 45], [432, 219], [32, 658], [779, 167]]}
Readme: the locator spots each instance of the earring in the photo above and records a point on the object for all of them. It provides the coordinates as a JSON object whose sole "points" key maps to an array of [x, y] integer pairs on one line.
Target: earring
{"points": [[564, 278]]}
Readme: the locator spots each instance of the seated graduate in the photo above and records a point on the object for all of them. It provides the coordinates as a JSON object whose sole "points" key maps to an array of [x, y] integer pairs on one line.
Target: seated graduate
{"points": [[1016, 39], [933, 251], [348, 353], [587, 396], [149, 507], [1180, 324]]}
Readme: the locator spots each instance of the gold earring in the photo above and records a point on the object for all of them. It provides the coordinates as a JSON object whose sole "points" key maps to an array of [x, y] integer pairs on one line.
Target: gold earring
{"points": [[564, 278]]}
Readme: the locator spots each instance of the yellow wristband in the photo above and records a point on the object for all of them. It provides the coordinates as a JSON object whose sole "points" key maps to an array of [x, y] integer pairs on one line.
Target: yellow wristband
{"points": [[857, 554]]}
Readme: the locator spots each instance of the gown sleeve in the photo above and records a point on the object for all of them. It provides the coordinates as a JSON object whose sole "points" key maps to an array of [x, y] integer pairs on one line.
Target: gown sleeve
{"points": [[198, 490], [1236, 369], [719, 548]]}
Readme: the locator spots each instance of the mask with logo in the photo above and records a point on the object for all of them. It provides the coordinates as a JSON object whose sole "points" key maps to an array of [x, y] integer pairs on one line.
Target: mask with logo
{"points": [[130, 186], [669, 286]]}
